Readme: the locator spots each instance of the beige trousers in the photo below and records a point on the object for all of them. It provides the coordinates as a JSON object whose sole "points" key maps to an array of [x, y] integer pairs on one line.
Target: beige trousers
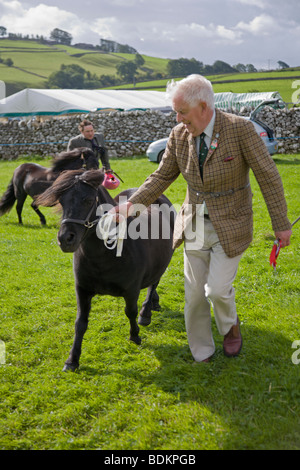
{"points": [[209, 274]]}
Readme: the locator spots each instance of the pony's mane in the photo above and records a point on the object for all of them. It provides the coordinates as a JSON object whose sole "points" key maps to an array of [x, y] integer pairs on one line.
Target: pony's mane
{"points": [[63, 159], [65, 181]]}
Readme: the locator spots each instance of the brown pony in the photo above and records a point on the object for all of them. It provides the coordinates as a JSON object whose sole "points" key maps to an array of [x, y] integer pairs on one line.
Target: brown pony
{"points": [[31, 179]]}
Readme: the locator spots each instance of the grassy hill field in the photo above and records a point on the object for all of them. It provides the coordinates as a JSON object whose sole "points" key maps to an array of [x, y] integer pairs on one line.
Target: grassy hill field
{"points": [[280, 81], [33, 63]]}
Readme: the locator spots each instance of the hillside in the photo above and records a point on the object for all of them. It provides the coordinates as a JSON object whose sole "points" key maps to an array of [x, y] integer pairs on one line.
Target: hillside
{"points": [[280, 81], [33, 63]]}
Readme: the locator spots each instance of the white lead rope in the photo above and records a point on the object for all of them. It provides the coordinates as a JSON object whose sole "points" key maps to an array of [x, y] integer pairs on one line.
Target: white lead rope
{"points": [[112, 235]]}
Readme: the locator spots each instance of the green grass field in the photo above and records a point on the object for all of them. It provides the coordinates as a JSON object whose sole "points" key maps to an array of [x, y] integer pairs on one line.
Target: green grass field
{"points": [[148, 397], [245, 85], [34, 62]]}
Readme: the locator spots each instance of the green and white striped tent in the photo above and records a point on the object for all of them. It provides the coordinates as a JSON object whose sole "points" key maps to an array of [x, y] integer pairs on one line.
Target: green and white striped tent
{"points": [[236, 101]]}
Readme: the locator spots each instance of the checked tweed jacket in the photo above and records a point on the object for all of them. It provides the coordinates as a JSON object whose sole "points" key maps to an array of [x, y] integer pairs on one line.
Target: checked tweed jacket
{"points": [[235, 149]]}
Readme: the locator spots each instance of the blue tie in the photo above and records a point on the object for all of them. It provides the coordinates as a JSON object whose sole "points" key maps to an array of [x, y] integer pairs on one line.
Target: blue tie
{"points": [[203, 150]]}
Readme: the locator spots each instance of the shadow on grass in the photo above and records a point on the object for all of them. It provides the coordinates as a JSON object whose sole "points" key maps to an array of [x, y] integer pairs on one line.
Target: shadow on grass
{"points": [[31, 226], [253, 395], [265, 354]]}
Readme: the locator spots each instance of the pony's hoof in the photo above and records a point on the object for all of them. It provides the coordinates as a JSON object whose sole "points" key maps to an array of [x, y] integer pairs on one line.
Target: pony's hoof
{"points": [[156, 307], [136, 339], [70, 367], [144, 321]]}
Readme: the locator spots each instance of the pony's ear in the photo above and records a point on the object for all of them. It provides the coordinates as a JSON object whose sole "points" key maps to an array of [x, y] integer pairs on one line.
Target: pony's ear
{"points": [[93, 177], [101, 176]]}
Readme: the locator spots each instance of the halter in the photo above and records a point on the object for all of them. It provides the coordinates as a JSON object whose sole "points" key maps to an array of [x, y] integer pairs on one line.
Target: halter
{"points": [[86, 223], [108, 236]]}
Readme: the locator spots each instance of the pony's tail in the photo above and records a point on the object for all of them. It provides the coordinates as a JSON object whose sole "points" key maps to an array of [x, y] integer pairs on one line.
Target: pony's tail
{"points": [[8, 199]]}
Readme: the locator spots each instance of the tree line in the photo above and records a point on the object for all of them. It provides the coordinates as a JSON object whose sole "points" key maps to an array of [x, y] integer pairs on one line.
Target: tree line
{"points": [[74, 76]]}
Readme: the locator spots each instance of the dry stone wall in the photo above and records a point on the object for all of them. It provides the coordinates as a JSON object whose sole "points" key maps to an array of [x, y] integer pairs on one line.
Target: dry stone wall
{"points": [[126, 134], [286, 126]]}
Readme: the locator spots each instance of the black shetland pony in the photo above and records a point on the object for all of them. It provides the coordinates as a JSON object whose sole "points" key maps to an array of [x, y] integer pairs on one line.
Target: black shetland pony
{"points": [[97, 269], [31, 179]]}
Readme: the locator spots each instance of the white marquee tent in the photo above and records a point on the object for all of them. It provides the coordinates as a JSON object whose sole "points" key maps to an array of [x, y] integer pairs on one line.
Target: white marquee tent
{"points": [[53, 102], [39, 102]]}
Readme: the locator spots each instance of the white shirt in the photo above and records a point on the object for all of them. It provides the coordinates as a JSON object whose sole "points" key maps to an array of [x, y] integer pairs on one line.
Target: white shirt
{"points": [[208, 133]]}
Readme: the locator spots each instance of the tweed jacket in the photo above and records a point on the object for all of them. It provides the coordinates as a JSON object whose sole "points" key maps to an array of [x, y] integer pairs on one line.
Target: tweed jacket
{"points": [[235, 149], [80, 141]]}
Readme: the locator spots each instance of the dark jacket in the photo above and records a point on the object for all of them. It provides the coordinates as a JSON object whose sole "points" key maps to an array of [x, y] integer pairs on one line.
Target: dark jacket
{"points": [[97, 145]]}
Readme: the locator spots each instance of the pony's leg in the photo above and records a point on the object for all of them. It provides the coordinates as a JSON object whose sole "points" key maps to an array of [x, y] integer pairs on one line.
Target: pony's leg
{"points": [[150, 303], [131, 311], [41, 216], [81, 324], [19, 207]]}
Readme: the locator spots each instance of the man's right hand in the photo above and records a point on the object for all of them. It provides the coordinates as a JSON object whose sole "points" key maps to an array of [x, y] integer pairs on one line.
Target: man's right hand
{"points": [[123, 210]]}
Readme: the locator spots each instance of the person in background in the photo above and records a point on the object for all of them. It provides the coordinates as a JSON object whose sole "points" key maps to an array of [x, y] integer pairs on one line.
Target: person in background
{"points": [[214, 152], [94, 141]]}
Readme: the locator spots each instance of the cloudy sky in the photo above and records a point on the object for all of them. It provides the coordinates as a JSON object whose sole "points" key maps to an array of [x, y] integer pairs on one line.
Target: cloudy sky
{"points": [[259, 32]]}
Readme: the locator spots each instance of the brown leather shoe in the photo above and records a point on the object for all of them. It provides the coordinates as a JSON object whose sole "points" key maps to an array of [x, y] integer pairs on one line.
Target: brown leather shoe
{"points": [[207, 359], [233, 341], [203, 360]]}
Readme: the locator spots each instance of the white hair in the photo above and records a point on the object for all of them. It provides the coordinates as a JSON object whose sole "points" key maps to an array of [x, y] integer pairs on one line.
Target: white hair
{"points": [[193, 89]]}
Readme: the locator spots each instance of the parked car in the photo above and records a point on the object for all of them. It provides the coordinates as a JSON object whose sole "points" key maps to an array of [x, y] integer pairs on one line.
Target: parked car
{"points": [[156, 149]]}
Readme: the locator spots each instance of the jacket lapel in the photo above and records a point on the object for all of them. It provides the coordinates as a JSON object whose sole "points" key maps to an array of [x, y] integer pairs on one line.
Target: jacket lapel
{"points": [[214, 141], [216, 134], [193, 152]]}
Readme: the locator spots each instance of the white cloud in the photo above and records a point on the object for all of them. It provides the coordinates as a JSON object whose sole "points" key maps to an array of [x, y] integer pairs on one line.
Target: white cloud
{"points": [[41, 19], [107, 28], [208, 30], [189, 32], [10, 6], [228, 34], [260, 25]]}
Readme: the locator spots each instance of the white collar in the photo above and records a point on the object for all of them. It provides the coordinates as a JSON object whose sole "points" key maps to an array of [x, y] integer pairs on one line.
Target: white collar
{"points": [[210, 126], [208, 132]]}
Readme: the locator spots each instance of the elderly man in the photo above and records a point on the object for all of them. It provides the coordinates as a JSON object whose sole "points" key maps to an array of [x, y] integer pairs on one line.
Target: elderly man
{"points": [[214, 152], [88, 138]]}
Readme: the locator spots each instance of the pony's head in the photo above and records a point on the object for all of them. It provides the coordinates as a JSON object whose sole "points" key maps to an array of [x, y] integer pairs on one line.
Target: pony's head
{"points": [[79, 193]]}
